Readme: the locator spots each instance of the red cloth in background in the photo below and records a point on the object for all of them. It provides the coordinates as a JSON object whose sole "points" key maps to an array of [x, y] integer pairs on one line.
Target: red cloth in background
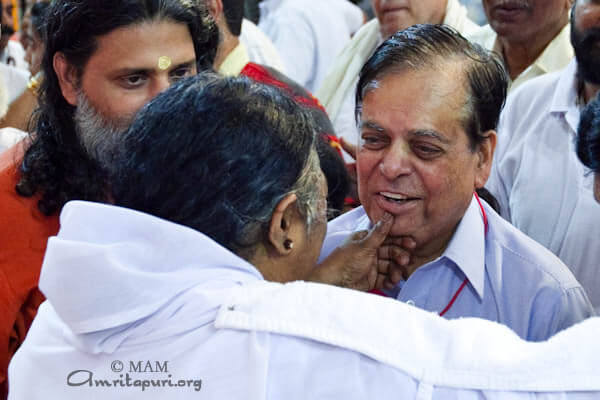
{"points": [[24, 232]]}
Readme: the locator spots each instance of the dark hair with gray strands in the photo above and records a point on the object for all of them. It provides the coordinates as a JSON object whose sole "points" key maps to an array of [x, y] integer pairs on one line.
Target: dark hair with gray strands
{"points": [[234, 15], [433, 46]]}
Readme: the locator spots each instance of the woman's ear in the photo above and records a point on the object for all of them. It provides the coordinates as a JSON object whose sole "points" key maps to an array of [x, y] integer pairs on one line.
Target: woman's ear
{"points": [[485, 158], [280, 228]]}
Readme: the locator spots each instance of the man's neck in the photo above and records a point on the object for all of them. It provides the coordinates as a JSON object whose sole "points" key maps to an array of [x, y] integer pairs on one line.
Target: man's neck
{"points": [[429, 252], [227, 45], [519, 55]]}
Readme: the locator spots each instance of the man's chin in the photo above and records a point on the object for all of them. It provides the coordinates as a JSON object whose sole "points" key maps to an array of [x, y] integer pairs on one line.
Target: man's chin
{"points": [[389, 27]]}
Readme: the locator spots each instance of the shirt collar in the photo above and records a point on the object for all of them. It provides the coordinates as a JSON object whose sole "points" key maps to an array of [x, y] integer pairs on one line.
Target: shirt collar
{"points": [[558, 52], [235, 61], [467, 247], [555, 56]]}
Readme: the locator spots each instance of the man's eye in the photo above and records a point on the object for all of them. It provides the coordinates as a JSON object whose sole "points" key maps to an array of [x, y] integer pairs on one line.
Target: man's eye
{"points": [[181, 73], [425, 151], [372, 142], [133, 81]]}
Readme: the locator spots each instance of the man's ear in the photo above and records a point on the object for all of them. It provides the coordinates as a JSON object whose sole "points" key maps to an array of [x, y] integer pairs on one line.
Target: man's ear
{"points": [[280, 228], [67, 78], [215, 7], [485, 158]]}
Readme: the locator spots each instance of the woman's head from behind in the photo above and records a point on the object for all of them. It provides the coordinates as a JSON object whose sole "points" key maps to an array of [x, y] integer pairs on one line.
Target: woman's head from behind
{"points": [[588, 141], [234, 160]]}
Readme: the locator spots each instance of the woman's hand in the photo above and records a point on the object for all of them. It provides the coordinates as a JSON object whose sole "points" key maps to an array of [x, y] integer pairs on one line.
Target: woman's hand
{"points": [[365, 262]]}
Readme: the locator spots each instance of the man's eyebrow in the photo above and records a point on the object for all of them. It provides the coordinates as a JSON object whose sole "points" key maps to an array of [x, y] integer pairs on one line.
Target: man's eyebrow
{"points": [[135, 71], [185, 64], [430, 134], [371, 125]]}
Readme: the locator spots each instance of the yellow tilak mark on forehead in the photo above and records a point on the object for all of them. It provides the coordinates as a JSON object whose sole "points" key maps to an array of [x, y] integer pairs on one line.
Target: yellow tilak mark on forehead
{"points": [[164, 62]]}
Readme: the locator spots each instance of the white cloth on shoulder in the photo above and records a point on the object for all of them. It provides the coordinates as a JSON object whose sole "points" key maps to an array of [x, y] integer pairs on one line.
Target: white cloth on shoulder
{"points": [[139, 307]]}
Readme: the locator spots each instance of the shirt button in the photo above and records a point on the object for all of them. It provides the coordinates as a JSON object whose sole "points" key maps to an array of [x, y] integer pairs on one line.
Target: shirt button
{"points": [[410, 303]]}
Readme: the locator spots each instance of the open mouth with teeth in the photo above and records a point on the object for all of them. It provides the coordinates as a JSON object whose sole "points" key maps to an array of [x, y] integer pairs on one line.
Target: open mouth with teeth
{"points": [[397, 198]]}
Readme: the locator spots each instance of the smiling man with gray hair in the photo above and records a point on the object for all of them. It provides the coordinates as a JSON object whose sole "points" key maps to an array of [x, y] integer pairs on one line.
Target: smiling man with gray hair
{"points": [[428, 105]]}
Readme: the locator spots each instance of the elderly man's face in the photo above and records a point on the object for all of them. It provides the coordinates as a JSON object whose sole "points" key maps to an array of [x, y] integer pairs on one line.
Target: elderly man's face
{"points": [[585, 38], [520, 20], [396, 15], [414, 159]]}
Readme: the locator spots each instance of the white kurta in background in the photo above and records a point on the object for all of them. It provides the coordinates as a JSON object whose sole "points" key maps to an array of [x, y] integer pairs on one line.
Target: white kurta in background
{"points": [[260, 48], [309, 34]]}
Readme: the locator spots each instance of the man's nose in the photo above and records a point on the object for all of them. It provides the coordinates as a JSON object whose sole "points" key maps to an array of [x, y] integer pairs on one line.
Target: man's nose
{"points": [[397, 161], [161, 84]]}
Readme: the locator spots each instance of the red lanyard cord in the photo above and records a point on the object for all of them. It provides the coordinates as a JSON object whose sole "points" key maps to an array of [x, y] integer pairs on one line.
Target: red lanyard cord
{"points": [[449, 306], [462, 286]]}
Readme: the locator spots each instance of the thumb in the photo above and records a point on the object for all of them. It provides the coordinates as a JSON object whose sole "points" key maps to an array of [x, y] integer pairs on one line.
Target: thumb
{"points": [[379, 232]]}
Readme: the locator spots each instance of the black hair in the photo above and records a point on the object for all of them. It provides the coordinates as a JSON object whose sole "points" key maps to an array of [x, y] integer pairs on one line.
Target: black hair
{"points": [[332, 163], [230, 150], [55, 166], [234, 15], [38, 17], [588, 136], [430, 46], [584, 43]]}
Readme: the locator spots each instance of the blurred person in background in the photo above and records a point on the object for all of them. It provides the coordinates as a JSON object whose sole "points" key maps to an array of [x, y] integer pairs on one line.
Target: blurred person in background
{"points": [[532, 36], [588, 141], [13, 67], [541, 186], [21, 110], [309, 34], [11, 51]]}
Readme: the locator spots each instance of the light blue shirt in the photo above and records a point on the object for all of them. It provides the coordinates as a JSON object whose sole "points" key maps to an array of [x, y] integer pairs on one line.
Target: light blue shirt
{"points": [[511, 279]]}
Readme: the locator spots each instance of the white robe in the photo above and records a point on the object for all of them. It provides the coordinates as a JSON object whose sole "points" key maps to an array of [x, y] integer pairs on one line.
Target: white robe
{"points": [[141, 308]]}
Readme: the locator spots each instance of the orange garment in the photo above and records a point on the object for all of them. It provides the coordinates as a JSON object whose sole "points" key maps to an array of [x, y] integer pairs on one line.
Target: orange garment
{"points": [[24, 231]]}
